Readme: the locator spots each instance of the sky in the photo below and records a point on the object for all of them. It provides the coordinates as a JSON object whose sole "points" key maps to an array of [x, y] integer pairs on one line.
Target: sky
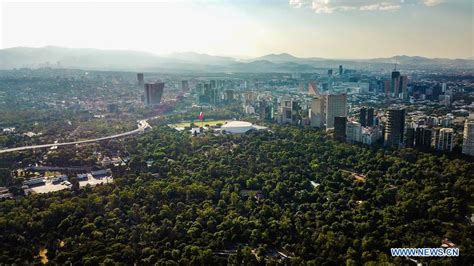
{"points": [[348, 29]]}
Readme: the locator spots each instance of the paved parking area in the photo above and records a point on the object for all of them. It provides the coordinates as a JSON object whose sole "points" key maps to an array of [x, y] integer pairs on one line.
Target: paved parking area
{"points": [[50, 187]]}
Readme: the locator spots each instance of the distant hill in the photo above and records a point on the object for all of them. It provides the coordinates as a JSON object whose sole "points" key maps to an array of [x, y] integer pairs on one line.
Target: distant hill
{"points": [[125, 60], [401, 60], [201, 58]]}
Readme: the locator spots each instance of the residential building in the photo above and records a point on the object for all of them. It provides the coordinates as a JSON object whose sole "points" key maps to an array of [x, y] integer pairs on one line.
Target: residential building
{"points": [[445, 139], [423, 137], [468, 137]]}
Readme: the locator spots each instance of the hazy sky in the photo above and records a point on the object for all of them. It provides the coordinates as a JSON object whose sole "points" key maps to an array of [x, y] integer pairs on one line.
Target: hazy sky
{"points": [[320, 28]]}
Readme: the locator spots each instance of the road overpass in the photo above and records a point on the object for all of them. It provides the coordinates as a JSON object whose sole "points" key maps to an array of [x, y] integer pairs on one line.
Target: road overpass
{"points": [[142, 125]]}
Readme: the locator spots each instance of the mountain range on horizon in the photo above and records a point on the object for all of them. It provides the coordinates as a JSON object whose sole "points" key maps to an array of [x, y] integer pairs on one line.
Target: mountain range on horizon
{"points": [[128, 60]]}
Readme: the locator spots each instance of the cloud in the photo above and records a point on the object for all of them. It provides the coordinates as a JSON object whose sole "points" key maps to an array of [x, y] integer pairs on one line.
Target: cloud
{"points": [[331, 6], [432, 2], [296, 3], [382, 6]]}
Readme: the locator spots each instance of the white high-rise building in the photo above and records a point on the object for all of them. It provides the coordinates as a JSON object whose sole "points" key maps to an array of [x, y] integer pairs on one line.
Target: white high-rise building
{"points": [[468, 137], [444, 139], [353, 132]]}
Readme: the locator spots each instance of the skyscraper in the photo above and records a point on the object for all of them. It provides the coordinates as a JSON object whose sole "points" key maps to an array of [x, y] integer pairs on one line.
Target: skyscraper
{"points": [[394, 128], [340, 128], [185, 86], [395, 86], [468, 137], [404, 87], [317, 112], [325, 108], [445, 139], [141, 79], [353, 132], [329, 72], [266, 110], [370, 117], [341, 70], [386, 87], [363, 116], [410, 138], [423, 137], [153, 93], [289, 111], [336, 105]]}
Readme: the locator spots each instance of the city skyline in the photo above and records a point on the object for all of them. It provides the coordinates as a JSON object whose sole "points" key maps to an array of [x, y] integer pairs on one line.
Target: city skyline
{"points": [[246, 29]]}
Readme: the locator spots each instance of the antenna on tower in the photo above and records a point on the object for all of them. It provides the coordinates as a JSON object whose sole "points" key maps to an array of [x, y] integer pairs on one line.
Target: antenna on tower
{"points": [[395, 69]]}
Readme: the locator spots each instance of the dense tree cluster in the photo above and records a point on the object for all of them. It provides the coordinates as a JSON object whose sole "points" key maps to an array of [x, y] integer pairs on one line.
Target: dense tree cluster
{"points": [[289, 189]]}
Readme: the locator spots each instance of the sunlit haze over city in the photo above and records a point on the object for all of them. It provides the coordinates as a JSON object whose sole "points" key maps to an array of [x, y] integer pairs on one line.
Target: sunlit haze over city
{"points": [[247, 28]]}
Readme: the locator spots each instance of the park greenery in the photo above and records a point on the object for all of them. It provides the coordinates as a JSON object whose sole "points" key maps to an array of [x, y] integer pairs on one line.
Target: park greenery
{"points": [[227, 199]]}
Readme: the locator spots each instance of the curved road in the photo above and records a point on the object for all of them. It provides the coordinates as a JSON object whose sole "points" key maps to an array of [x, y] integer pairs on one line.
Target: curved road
{"points": [[142, 125]]}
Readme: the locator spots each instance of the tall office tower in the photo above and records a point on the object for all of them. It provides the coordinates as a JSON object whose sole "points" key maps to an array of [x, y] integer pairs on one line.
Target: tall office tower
{"points": [[394, 128], [141, 79], [213, 84], [386, 87], [404, 87], [329, 72], [410, 138], [423, 137], [468, 137], [341, 70], [262, 109], [153, 93], [185, 86], [285, 111], [317, 112], [266, 110], [336, 105], [353, 132], [445, 139], [395, 86], [370, 117], [340, 128], [363, 116]]}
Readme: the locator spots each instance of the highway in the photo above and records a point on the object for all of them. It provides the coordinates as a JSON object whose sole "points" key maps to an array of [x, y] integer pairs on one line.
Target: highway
{"points": [[142, 125]]}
